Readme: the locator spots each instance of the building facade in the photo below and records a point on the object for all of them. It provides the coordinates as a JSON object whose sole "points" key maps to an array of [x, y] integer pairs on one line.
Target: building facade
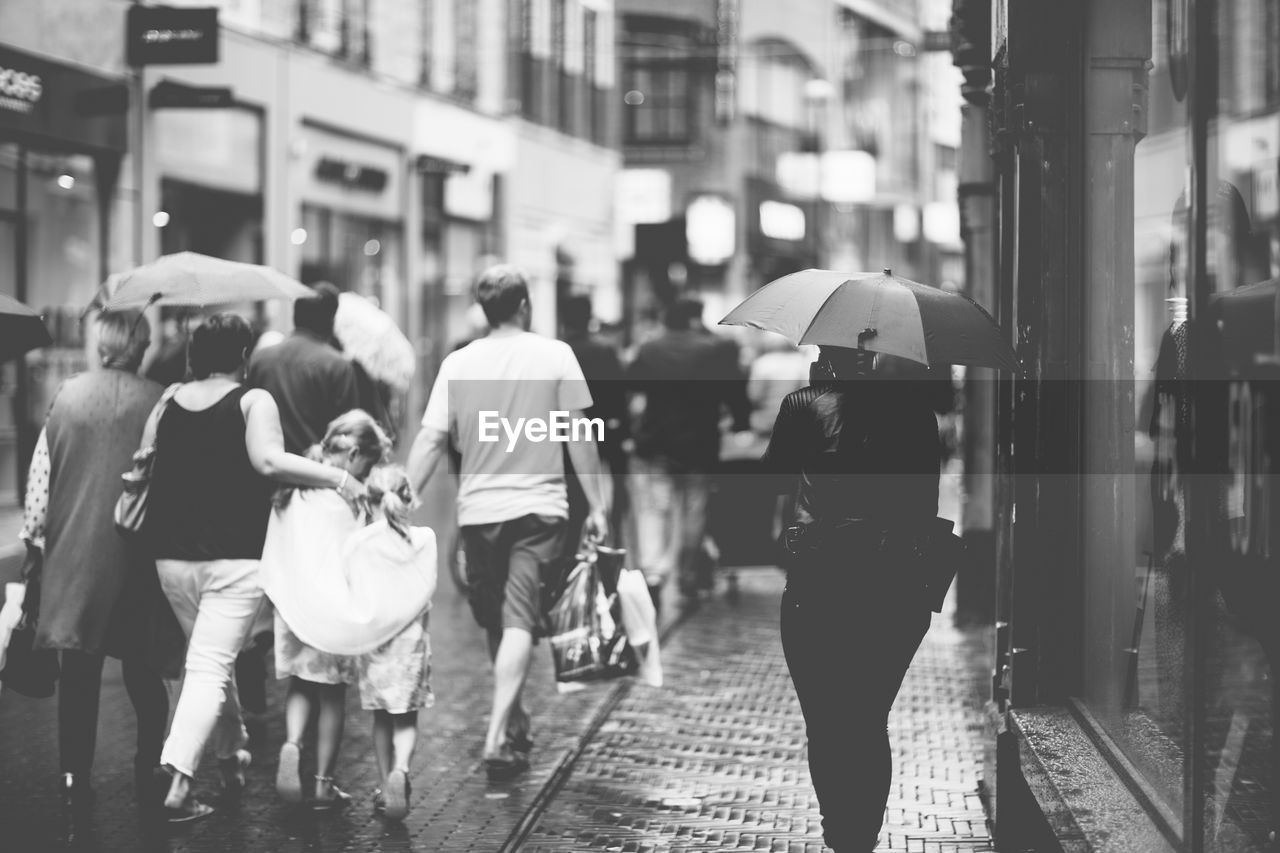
{"points": [[1125, 227], [387, 148], [763, 138]]}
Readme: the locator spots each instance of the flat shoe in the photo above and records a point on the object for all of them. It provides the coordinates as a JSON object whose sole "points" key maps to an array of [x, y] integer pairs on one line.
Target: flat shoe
{"points": [[337, 797], [288, 781], [397, 788], [189, 811], [379, 801], [507, 764]]}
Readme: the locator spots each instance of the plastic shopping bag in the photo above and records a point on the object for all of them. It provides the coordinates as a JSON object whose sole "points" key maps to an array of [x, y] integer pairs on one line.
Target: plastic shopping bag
{"points": [[640, 621], [587, 643]]}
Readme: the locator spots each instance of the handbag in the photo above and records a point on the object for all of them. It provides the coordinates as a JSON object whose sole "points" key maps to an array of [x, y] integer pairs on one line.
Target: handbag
{"points": [[131, 506], [30, 671], [936, 553]]}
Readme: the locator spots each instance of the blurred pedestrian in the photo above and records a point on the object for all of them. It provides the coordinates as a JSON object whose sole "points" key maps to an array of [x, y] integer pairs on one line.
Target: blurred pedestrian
{"points": [[603, 371], [863, 456], [318, 680], [686, 374], [220, 449], [512, 502], [100, 594]]}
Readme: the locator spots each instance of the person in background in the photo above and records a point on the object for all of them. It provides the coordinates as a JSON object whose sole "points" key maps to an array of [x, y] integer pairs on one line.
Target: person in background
{"points": [[686, 374], [170, 364], [862, 454], [312, 383], [100, 594], [219, 454], [603, 371], [512, 503]]}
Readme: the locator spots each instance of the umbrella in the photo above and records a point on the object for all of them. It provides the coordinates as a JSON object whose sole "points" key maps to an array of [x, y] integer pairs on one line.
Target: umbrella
{"points": [[877, 312], [189, 278], [369, 335], [21, 329]]}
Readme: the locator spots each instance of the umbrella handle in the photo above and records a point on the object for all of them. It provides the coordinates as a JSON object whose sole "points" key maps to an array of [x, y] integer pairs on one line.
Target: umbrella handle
{"points": [[864, 335]]}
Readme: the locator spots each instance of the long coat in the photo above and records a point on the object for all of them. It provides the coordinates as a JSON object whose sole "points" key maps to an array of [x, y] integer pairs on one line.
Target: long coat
{"points": [[100, 594]]}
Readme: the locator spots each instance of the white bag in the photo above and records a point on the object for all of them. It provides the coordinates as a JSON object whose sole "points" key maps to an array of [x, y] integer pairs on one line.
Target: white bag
{"points": [[640, 621]]}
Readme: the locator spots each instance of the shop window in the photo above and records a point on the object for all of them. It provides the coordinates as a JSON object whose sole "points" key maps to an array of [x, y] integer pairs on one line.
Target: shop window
{"points": [[466, 50], [594, 115], [659, 83]]}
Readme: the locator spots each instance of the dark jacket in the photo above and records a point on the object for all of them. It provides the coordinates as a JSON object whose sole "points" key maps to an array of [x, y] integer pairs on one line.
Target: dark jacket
{"points": [[686, 376], [311, 383], [862, 449], [602, 369]]}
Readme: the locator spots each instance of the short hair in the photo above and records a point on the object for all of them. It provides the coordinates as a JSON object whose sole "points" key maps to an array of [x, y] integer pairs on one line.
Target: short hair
{"points": [[575, 313], [219, 345], [500, 290], [315, 313], [681, 312], [123, 336]]}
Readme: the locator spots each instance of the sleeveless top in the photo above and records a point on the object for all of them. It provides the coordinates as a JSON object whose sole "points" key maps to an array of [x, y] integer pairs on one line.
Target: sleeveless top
{"points": [[208, 501]]}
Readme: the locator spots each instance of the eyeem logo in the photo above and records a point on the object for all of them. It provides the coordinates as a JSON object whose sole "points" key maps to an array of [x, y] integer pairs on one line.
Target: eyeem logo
{"points": [[558, 428]]}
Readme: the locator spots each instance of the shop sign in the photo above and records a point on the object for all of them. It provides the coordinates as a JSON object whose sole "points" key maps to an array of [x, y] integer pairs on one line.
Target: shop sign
{"points": [[469, 195], [168, 35], [351, 175], [1266, 193], [642, 196], [170, 95], [43, 101]]}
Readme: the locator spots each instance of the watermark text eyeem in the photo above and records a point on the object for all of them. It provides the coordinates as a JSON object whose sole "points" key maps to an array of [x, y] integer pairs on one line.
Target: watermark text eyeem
{"points": [[558, 427]]}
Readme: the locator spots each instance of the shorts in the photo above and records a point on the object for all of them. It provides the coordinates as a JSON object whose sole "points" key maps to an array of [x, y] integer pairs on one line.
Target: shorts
{"points": [[508, 563]]}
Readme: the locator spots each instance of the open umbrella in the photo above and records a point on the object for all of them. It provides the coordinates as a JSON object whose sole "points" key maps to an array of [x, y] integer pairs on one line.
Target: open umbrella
{"points": [[369, 335], [189, 278], [21, 329], [877, 312]]}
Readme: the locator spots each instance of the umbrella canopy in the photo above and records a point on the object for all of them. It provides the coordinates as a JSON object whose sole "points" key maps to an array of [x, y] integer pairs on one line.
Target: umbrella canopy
{"points": [[189, 278], [878, 312], [21, 329], [369, 335]]}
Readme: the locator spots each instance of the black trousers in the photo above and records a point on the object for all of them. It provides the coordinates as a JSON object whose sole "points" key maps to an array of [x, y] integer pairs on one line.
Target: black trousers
{"points": [[79, 689], [848, 648]]}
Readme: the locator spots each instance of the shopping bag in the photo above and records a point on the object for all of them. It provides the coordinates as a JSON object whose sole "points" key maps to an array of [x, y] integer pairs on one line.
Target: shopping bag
{"points": [[640, 621], [587, 641], [27, 670]]}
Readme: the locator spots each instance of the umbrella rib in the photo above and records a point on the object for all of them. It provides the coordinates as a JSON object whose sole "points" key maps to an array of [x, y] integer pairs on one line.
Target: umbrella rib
{"points": [[818, 312]]}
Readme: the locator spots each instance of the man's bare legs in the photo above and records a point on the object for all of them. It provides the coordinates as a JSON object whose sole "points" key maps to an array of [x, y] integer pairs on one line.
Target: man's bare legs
{"points": [[512, 652]]}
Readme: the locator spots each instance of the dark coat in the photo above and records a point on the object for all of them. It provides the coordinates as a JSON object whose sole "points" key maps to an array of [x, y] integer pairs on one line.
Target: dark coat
{"points": [[100, 594], [311, 382]]}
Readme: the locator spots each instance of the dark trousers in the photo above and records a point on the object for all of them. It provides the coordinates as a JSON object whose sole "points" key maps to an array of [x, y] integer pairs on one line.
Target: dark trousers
{"points": [[79, 688], [848, 649]]}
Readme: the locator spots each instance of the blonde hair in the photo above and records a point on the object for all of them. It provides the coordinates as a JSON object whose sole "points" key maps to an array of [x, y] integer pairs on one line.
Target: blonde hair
{"points": [[123, 336], [391, 493], [356, 430]]}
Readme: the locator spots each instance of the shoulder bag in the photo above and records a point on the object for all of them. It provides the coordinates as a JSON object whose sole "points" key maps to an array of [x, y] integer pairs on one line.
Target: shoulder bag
{"points": [[131, 507]]}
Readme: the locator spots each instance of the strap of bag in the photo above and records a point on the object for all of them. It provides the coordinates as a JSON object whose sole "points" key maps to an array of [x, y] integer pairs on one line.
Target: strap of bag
{"points": [[157, 412]]}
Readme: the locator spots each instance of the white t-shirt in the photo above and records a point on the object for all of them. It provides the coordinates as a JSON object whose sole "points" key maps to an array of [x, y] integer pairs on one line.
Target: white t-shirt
{"points": [[505, 377]]}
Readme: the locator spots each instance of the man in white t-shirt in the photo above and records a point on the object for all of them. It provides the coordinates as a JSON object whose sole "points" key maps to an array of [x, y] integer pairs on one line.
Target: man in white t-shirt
{"points": [[511, 401]]}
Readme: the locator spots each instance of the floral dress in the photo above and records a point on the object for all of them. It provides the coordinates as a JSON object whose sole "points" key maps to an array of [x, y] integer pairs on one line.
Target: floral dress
{"points": [[396, 677], [296, 659]]}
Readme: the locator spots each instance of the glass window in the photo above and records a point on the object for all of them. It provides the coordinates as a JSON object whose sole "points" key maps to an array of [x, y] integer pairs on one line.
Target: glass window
{"points": [[426, 41], [659, 83], [466, 50], [1136, 414], [1239, 696]]}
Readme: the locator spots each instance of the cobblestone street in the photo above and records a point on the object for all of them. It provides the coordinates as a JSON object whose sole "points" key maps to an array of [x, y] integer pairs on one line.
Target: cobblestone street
{"points": [[712, 761]]}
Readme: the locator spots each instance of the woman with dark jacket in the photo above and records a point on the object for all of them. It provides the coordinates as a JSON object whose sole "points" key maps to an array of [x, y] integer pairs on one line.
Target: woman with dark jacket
{"points": [[219, 456], [863, 454], [100, 595]]}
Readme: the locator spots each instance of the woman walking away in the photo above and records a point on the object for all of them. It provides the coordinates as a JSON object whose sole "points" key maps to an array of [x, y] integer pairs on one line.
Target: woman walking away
{"points": [[354, 443], [100, 594], [863, 456], [344, 588], [219, 447]]}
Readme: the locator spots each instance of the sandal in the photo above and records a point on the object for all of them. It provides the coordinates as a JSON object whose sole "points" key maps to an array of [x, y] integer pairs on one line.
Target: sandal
{"points": [[233, 771], [397, 796], [288, 782], [506, 764], [379, 801], [336, 797], [189, 811]]}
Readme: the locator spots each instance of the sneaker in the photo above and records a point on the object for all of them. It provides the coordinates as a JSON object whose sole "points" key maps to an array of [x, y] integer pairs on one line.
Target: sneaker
{"points": [[505, 764]]}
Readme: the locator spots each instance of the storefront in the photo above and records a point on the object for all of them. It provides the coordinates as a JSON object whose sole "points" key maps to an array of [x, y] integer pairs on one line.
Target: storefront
{"points": [[1135, 695], [62, 139], [351, 231]]}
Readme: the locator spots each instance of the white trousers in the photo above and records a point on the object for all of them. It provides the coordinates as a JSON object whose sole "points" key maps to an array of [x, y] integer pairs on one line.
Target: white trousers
{"points": [[217, 603]]}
